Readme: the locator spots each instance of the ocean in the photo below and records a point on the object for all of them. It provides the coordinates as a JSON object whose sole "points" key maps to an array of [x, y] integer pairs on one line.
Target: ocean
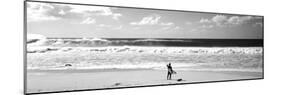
{"points": [[143, 53], [98, 42]]}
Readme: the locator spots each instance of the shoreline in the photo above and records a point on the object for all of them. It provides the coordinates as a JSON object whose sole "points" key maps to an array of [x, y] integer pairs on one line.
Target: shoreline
{"points": [[74, 80], [72, 70]]}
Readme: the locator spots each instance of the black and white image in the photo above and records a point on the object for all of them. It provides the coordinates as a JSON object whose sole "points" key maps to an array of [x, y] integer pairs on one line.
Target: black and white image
{"points": [[75, 47]]}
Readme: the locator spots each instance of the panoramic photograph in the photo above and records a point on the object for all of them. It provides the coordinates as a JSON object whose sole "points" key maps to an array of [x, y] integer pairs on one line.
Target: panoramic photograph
{"points": [[73, 47]]}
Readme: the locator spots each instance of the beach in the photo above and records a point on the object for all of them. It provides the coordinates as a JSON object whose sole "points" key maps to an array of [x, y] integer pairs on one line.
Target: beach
{"points": [[66, 80], [73, 64]]}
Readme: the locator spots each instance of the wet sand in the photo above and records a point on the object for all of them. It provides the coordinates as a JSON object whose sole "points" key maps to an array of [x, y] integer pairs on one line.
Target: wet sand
{"points": [[65, 80]]}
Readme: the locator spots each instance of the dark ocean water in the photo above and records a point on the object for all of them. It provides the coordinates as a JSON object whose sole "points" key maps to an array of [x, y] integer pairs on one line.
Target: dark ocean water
{"points": [[96, 42]]}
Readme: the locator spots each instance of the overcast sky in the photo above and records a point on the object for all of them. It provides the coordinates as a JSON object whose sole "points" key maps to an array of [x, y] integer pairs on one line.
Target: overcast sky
{"points": [[64, 20]]}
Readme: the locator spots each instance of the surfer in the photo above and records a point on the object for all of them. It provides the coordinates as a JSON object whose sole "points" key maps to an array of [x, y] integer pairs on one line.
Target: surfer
{"points": [[170, 71]]}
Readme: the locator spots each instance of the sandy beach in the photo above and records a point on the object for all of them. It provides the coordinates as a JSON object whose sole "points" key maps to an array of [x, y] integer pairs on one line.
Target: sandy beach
{"points": [[52, 69], [65, 80]]}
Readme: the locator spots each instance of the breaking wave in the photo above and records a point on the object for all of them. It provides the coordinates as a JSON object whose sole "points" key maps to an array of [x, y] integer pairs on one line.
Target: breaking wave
{"points": [[152, 50], [132, 57], [35, 39], [185, 54]]}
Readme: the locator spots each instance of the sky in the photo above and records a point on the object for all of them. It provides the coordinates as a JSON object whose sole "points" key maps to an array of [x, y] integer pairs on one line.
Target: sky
{"points": [[68, 20]]}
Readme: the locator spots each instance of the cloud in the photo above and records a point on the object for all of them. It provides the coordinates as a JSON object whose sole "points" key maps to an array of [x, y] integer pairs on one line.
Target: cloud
{"points": [[152, 20], [202, 20], [155, 20], [103, 25], [94, 10], [222, 20], [88, 20], [89, 9], [219, 19], [62, 12], [116, 16], [167, 24], [40, 12], [49, 12], [149, 20], [239, 20]]}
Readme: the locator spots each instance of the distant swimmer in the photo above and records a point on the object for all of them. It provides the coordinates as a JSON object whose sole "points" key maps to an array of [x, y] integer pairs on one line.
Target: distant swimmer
{"points": [[170, 71]]}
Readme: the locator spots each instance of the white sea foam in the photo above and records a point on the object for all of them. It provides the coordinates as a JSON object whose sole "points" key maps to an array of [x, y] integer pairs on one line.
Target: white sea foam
{"points": [[133, 57], [155, 50]]}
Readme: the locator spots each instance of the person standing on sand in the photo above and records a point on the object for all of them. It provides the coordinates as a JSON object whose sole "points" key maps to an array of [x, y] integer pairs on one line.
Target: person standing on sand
{"points": [[170, 71]]}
